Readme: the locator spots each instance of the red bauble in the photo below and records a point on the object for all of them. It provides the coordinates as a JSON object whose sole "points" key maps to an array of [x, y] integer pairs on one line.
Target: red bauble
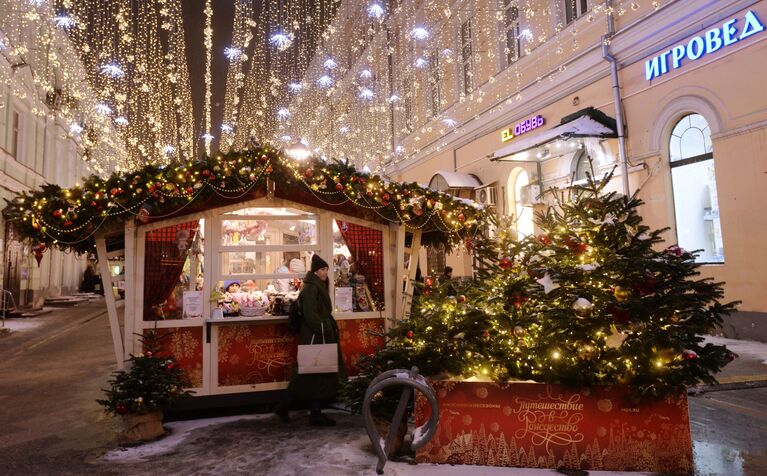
{"points": [[339, 187], [505, 263], [121, 409], [93, 204], [731, 356], [189, 190], [68, 223], [386, 197], [621, 316], [170, 365], [688, 354], [647, 286], [309, 173], [205, 172], [115, 192], [57, 213], [518, 300], [545, 239], [428, 282], [461, 217], [485, 334], [461, 298], [263, 159], [409, 334], [149, 354], [675, 251]]}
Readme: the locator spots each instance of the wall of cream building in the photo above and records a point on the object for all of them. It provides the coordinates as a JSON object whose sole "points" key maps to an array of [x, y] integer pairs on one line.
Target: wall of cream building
{"points": [[46, 153]]}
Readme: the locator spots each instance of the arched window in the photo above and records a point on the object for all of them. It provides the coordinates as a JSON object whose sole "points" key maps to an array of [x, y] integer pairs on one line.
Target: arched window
{"points": [[581, 166], [520, 204], [694, 182]]}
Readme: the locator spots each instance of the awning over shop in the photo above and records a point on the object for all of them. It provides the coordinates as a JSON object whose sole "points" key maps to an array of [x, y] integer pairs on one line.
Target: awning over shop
{"points": [[587, 122], [443, 181]]}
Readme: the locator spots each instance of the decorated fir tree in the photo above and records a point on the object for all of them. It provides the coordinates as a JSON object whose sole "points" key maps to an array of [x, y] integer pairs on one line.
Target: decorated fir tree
{"points": [[152, 382], [593, 299]]}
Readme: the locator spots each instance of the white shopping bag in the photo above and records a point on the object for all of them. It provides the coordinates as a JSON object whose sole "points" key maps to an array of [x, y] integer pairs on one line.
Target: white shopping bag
{"points": [[318, 358]]}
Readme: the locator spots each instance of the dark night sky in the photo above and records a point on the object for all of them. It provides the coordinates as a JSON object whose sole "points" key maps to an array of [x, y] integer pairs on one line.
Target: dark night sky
{"points": [[194, 24]]}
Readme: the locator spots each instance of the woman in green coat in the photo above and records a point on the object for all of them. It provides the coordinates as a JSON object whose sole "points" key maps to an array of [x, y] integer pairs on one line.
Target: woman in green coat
{"points": [[317, 324]]}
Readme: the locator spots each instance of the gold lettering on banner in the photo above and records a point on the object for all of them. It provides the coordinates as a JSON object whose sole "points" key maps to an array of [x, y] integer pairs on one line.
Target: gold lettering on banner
{"points": [[270, 354], [550, 419]]}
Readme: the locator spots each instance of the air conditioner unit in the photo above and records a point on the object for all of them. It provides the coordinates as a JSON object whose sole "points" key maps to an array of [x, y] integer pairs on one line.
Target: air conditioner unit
{"points": [[486, 195], [530, 195]]}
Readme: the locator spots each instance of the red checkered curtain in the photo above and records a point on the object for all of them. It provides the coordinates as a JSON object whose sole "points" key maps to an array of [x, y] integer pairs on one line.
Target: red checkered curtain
{"points": [[366, 246], [166, 252]]}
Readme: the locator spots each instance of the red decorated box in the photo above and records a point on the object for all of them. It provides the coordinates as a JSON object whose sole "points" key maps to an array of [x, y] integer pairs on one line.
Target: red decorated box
{"points": [[551, 426]]}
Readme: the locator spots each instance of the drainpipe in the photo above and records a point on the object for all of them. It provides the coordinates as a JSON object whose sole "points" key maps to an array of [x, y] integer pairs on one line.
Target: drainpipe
{"points": [[616, 95]]}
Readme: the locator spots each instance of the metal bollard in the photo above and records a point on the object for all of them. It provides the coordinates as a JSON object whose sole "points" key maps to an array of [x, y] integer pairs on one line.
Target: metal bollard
{"points": [[410, 380]]}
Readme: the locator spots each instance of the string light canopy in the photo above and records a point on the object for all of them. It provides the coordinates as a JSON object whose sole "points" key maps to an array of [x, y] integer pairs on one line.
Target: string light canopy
{"points": [[295, 54]]}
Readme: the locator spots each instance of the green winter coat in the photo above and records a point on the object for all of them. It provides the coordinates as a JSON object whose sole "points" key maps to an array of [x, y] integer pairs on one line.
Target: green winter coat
{"points": [[317, 310]]}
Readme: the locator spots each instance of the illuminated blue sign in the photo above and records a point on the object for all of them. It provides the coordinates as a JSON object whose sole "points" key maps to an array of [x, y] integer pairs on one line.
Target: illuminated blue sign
{"points": [[704, 44]]}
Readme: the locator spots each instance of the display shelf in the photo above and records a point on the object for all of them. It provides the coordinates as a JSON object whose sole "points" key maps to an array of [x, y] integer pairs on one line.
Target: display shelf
{"points": [[240, 319]]}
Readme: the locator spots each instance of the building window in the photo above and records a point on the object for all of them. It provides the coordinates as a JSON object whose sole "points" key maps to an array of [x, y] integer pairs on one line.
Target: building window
{"points": [[520, 203], [407, 106], [435, 85], [581, 166], [693, 178], [467, 57], [574, 9], [15, 135], [511, 31]]}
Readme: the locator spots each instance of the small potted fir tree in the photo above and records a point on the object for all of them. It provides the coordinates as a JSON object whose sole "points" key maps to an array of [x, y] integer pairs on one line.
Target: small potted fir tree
{"points": [[152, 383]]}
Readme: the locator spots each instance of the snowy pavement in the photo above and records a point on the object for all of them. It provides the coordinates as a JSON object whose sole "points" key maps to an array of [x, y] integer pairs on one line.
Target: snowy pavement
{"points": [[260, 444]]}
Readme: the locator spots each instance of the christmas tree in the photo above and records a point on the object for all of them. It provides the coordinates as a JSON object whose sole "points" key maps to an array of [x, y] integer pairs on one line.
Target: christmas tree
{"points": [[593, 299], [152, 382]]}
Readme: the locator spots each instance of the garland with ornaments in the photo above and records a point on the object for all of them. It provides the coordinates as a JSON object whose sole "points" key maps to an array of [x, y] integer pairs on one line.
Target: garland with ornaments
{"points": [[69, 218], [592, 300]]}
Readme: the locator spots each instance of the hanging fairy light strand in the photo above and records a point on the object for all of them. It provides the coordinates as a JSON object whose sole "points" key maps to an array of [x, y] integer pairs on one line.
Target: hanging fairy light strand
{"points": [[207, 137]]}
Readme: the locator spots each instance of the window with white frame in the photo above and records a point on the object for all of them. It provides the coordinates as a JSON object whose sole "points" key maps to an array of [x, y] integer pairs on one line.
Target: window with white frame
{"points": [[467, 57], [693, 178], [434, 95], [407, 106], [573, 9], [15, 134], [510, 27]]}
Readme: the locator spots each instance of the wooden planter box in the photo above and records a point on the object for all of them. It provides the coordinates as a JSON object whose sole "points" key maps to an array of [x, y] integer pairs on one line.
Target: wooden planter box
{"points": [[534, 425]]}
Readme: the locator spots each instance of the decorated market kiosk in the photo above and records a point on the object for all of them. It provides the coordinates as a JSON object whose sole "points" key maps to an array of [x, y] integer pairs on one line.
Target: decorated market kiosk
{"points": [[215, 251]]}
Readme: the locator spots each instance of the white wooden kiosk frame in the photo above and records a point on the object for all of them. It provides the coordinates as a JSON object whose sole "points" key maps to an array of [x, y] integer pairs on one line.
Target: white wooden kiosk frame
{"points": [[203, 335]]}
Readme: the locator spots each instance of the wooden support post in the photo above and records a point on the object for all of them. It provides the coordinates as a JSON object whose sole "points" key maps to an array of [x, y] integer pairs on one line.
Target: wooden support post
{"points": [[131, 272], [106, 283]]}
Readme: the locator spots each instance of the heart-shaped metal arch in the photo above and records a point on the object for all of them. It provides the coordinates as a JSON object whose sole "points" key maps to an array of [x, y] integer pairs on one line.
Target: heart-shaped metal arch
{"points": [[410, 380]]}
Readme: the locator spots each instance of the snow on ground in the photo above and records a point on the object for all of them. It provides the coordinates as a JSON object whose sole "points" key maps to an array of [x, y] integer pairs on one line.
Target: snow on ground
{"points": [[744, 348], [260, 444], [18, 324]]}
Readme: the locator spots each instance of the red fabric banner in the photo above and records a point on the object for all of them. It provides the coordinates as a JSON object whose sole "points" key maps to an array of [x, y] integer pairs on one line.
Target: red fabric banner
{"points": [[165, 255], [366, 247], [551, 426]]}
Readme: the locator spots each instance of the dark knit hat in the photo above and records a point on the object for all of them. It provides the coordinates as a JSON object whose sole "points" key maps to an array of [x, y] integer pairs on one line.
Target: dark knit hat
{"points": [[318, 263]]}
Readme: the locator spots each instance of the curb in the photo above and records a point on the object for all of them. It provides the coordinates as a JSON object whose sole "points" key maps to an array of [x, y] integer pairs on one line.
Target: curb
{"points": [[744, 385]]}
